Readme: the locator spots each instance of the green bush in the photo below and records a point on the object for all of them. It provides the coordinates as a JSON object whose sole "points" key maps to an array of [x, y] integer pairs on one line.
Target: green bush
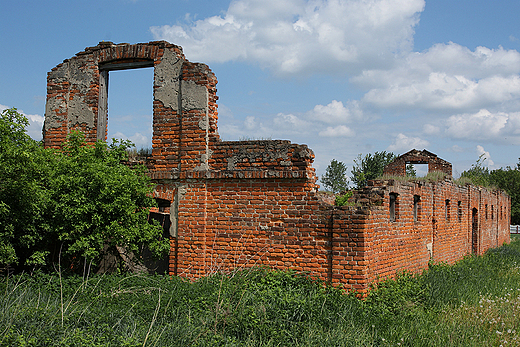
{"points": [[70, 206], [342, 200]]}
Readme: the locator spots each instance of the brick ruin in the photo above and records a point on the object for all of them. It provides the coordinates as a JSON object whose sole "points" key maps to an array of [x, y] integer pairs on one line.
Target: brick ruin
{"points": [[229, 205]]}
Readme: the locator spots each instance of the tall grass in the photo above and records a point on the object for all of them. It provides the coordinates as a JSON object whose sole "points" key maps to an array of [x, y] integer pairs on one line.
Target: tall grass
{"points": [[475, 302]]}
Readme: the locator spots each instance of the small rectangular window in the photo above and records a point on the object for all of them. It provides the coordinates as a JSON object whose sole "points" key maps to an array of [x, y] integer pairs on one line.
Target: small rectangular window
{"points": [[416, 199], [492, 212], [393, 203], [459, 211], [486, 211], [447, 210]]}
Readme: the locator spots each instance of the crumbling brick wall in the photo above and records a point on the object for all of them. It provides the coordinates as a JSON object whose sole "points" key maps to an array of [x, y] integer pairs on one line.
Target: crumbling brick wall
{"points": [[433, 222], [398, 166], [237, 204]]}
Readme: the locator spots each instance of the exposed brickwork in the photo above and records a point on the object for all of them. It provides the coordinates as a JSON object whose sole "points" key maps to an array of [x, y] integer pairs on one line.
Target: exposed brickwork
{"points": [[398, 166], [235, 205]]}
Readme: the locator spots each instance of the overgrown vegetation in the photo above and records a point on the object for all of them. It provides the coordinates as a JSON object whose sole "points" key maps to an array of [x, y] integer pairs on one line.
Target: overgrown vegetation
{"points": [[370, 167], [139, 154], [342, 200], [434, 176], [71, 206], [473, 303], [507, 179]]}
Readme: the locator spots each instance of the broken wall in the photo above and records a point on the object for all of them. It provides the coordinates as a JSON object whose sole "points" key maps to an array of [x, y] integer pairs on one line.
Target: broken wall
{"points": [[230, 205], [398, 166]]}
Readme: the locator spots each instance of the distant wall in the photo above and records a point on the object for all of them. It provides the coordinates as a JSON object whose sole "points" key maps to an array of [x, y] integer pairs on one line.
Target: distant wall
{"points": [[434, 221]]}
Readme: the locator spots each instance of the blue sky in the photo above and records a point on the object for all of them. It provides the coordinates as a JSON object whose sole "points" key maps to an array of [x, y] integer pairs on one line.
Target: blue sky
{"points": [[344, 77]]}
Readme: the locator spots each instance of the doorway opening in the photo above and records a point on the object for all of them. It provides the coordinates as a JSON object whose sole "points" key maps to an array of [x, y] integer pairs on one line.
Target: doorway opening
{"points": [[474, 231]]}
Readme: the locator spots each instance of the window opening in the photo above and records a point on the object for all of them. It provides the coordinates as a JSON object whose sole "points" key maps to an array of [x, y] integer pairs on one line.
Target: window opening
{"points": [[486, 212], [393, 207], [447, 210], [416, 199], [163, 205], [492, 212], [459, 210], [420, 170], [130, 107]]}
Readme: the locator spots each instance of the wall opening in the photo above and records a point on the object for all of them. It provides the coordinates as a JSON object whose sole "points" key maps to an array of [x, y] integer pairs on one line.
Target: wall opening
{"points": [[416, 199], [447, 209], [393, 207], [130, 106], [474, 231], [420, 170], [459, 211]]}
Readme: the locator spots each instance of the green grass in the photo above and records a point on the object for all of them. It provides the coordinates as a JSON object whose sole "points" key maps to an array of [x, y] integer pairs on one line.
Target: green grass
{"points": [[475, 302]]}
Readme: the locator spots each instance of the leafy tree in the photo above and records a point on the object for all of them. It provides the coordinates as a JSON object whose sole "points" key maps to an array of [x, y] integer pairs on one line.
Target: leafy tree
{"points": [[335, 178], [24, 167], [478, 174], [508, 179], [370, 167], [76, 203], [410, 171]]}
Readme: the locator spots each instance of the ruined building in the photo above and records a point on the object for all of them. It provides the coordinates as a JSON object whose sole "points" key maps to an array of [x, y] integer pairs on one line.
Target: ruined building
{"points": [[229, 205]]}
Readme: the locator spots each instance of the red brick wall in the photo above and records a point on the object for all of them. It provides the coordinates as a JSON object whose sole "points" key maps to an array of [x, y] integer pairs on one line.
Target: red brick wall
{"points": [[437, 234], [235, 205], [230, 224], [76, 81]]}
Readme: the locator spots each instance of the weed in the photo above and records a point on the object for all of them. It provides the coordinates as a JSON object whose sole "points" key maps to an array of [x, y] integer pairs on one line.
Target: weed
{"points": [[342, 200], [432, 176]]}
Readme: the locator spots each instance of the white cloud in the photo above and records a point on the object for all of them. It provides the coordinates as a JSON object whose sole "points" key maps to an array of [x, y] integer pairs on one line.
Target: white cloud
{"points": [[403, 143], [447, 76], [452, 91], [290, 122], [457, 149], [481, 125], [486, 157], [431, 129], [440, 91], [336, 112], [299, 36], [451, 59], [444, 86], [339, 131], [138, 139], [250, 123]]}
